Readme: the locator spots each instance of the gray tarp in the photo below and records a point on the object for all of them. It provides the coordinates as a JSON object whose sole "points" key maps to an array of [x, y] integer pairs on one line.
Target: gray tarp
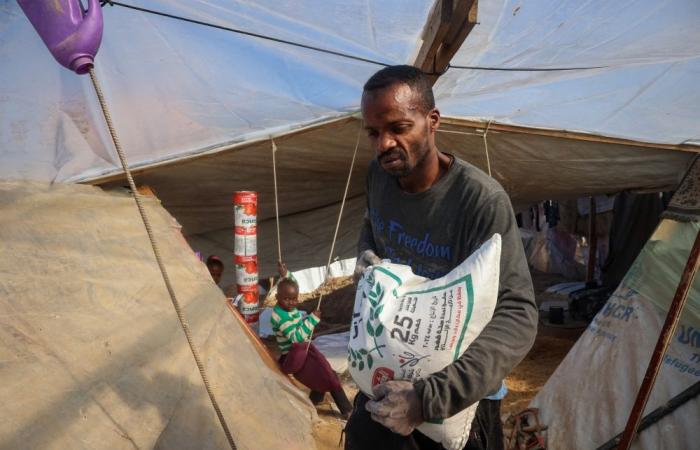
{"points": [[312, 168], [91, 352], [194, 106]]}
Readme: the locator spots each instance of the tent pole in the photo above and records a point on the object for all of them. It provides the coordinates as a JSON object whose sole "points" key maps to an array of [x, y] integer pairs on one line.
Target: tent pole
{"points": [[447, 26], [667, 332], [592, 242]]}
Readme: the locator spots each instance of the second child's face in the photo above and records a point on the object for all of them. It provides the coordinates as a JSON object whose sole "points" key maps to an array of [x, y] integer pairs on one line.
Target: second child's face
{"points": [[216, 272], [287, 297]]}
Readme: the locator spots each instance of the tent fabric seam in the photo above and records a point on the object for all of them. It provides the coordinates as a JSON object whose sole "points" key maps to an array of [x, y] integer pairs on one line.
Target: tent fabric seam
{"points": [[214, 149], [687, 145]]}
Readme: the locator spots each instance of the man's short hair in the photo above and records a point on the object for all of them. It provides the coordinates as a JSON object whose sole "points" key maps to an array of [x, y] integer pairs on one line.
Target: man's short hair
{"points": [[408, 75]]}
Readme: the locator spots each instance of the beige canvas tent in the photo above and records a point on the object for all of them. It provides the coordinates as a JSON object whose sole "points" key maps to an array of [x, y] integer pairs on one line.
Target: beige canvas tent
{"points": [[92, 352]]}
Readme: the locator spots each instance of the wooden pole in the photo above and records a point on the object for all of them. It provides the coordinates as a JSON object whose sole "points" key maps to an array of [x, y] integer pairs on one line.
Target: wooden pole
{"points": [[667, 332], [446, 28]]}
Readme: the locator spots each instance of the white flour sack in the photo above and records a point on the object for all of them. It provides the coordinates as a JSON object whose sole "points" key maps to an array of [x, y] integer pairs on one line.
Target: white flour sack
{"points": [[406, 327]]}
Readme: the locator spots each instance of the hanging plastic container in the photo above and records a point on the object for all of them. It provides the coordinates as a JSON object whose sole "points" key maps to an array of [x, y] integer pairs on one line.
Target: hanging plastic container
{"points": [[71, 33]]}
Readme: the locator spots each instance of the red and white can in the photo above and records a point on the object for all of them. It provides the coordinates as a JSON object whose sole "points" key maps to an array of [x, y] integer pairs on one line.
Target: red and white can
{"points": [[245, 250], [246, 270], [245, 244], [252, 320], [248, 303], [245, 209], [246, 289]]}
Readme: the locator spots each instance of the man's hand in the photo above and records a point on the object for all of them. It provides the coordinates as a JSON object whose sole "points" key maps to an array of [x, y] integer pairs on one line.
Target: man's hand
{"points": [[364, 260], [317, 313], [396, 406]]}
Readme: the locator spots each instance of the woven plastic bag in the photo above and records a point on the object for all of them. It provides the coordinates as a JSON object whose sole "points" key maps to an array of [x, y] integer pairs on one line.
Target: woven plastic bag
{"points": [[406, 327]]}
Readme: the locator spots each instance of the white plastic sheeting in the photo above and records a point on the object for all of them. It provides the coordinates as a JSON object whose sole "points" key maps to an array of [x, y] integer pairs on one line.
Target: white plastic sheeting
{"points": [[335, 348], [176, 88], [313, 277], [648, 53]]}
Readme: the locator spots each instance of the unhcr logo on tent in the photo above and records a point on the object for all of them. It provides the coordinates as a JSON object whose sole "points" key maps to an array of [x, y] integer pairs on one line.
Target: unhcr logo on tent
{"points": [[689, 336], [617, 311]]}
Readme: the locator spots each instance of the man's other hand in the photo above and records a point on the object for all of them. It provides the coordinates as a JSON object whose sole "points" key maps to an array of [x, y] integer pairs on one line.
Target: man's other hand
{"points": [[364, 260], [396, 406]]}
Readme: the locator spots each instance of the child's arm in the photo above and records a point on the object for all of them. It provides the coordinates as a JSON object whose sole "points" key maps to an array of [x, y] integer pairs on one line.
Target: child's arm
{"points": [[284, 272], [301, 331]]}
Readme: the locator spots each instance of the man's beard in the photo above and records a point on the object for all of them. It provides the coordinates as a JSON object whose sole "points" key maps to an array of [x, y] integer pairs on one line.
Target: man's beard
{"points": [[401, 154], [396, 154]]}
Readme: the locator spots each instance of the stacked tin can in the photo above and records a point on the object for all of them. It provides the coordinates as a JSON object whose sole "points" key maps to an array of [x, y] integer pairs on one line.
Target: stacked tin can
{"points": [[245, 206]]}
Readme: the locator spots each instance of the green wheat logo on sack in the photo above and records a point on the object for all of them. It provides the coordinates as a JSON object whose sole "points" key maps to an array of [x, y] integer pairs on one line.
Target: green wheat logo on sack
{"points": [[362, 357]]}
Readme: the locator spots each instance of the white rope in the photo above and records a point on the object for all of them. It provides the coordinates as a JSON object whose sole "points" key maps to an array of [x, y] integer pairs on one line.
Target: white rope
{"points": [[337, 226], [466, 133], [277, 210], [159, 259], [340, 215], [486, 147]]}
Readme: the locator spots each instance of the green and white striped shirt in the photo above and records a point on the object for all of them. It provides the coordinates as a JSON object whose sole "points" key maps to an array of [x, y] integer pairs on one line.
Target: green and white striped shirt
{"points": [[290, 328]]}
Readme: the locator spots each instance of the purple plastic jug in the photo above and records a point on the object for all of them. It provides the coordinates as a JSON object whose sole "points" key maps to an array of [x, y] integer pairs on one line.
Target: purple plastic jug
{"points": [[71, 34]]}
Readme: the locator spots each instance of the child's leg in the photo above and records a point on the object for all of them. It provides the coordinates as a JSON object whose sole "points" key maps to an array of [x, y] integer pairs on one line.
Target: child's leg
{"points": [[341, 400], [313, 370], [316, 373], [316, 397], [294, 360]]}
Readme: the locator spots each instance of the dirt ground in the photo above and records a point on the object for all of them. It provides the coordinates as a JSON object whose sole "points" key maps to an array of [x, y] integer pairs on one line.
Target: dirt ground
{"points": [[551, 345]]}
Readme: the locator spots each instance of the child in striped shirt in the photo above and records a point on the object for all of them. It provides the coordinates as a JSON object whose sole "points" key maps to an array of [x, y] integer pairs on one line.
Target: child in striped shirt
{"points": [[300, 358]]}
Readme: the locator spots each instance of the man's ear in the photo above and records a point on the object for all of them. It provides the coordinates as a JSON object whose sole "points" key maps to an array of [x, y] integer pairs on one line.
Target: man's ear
{"points": [[434, 119]]}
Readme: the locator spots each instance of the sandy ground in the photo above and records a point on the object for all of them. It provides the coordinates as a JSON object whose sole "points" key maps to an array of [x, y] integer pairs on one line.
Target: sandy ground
{"points": [[551, 345]]}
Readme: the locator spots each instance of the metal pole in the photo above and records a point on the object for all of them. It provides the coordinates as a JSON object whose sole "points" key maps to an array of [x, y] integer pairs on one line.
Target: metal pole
{"points": [[667, 332]]}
